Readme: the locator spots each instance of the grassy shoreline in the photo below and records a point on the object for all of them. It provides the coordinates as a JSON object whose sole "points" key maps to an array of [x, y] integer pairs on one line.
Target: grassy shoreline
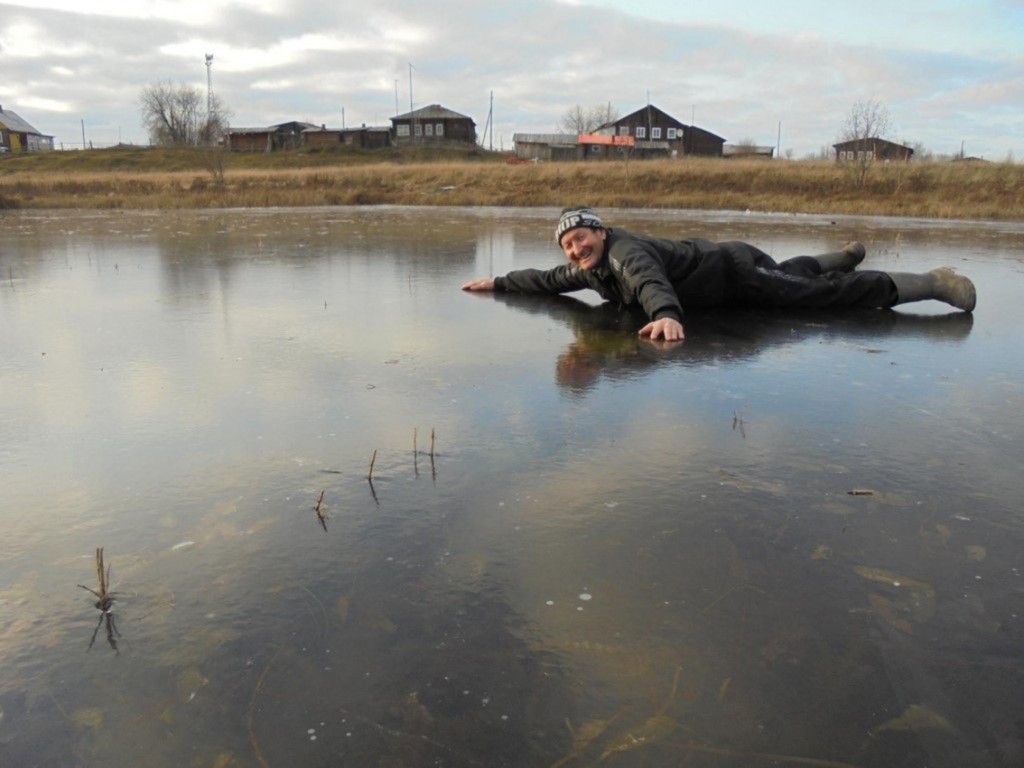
{"points": [[189, 178]]}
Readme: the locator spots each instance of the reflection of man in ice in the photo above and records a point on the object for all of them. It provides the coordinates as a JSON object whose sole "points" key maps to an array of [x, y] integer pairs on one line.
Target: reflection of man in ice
{"points": [[662, 276], [604, 345]]}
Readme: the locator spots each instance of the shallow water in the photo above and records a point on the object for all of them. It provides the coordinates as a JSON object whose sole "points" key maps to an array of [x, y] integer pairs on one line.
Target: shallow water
{"points": [[601, 549]]}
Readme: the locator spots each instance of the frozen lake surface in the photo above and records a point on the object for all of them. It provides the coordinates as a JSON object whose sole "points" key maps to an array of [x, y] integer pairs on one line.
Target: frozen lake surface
{"points": [[795, 539]]}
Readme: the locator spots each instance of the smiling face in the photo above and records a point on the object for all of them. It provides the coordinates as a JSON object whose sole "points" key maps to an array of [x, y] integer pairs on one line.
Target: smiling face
{"points": [[584, 247]]}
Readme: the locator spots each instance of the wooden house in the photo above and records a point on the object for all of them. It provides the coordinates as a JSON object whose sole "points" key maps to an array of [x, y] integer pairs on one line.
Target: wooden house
{"points": [[657, 133], [17, 135], [433, 125], [871, 150]]}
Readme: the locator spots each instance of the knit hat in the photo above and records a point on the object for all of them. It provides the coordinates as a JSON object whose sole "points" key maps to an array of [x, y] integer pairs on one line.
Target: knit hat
{"points": [[574, 218]]}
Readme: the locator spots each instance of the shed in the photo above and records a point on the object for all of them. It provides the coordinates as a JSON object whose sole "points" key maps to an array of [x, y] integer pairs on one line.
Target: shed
{"points": [[433, 125], [18, 135], [748, 150], [547, 146], [871, 149], [367, 137], [319, 138], [267, 139]]}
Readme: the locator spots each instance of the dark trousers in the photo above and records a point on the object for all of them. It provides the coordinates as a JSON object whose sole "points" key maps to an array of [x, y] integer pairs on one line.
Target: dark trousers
{"points": [[760, 281]]}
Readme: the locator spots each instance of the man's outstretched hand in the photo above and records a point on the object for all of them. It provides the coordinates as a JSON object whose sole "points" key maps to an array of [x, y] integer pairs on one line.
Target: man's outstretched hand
{"points": [[667, 328], [487, 284]]}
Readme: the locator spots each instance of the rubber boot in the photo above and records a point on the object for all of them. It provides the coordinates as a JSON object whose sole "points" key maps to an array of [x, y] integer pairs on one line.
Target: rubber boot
{"points": [[845, 260], [942, 284]]}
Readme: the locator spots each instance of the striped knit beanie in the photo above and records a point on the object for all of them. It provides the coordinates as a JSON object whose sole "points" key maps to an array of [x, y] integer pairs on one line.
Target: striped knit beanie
{"points": [[574, 218]]}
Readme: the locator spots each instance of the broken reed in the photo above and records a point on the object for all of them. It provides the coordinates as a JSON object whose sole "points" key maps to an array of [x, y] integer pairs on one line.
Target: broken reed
{"points": [[104, 598], [373, 459]]}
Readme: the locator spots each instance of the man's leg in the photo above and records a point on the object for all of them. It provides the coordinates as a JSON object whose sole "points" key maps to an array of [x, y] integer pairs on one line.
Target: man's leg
{"points": [[942, 284], [844, 260]]}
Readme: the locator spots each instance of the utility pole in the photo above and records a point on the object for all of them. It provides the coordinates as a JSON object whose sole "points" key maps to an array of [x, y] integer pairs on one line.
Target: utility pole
{"points": [[490, 120], [778, 143], [412, 122]]}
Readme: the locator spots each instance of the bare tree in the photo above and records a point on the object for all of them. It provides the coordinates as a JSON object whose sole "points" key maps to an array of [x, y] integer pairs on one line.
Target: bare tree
{"points": [[866, 120], [177, 115], [580, 119]]}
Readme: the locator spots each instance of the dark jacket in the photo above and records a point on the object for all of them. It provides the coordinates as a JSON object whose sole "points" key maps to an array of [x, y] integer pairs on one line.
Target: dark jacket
{"points": [[660, 275]]}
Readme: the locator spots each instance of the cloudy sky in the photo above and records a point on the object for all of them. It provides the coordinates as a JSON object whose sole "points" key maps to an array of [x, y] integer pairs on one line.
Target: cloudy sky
{"points": [[948, 71]]}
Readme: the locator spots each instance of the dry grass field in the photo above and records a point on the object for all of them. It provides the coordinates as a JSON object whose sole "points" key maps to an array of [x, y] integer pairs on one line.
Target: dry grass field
{"points": [[162, 179]]}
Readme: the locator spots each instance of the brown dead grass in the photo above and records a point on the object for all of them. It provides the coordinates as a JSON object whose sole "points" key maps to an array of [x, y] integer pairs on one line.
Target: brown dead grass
{"points": [[933, 190]]}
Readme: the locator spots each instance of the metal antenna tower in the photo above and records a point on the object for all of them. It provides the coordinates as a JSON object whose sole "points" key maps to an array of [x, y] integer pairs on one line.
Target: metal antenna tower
{"points": [[209, 82]]}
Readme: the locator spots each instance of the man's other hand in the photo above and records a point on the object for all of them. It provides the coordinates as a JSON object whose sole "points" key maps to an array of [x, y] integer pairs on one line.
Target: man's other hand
{"points": [[667, 328]]}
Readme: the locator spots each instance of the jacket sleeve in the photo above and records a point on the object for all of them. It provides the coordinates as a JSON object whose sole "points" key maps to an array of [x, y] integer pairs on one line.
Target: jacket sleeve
{"points": [[561, 279], [645, 276]]}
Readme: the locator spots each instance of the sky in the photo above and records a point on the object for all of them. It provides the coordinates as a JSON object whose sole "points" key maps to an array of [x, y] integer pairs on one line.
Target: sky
{"points": [[950, 73]]}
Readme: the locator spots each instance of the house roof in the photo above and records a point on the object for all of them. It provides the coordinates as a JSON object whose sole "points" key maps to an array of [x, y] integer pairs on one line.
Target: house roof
{"points": [[642, 112], [433, 112], [273, 128], [871, 140], [14, 122], [545, 138]]}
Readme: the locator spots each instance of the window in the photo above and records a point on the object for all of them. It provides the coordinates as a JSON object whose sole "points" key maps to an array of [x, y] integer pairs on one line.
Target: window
{"points": [[419, 129], [430, 129], [869, 155], [641, 132], [403, 130], [655, 133], [671, 133], [439, 129], [860, 154], [623, 130]]}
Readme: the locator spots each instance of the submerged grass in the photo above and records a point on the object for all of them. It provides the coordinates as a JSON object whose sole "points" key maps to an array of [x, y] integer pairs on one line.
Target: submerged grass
{"points": [[183, 178]]}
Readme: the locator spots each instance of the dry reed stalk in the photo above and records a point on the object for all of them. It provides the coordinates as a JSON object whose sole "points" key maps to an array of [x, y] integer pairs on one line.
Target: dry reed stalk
{"points": [[369, 475]]}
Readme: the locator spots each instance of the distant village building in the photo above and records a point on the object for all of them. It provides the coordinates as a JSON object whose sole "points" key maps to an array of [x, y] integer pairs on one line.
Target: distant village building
{"points": [[367, 137], [322, 137], [433, 125], [17, 135], [547, 146], [654, 132], [747, 150], [282, 136], [648, 132], [871, 149]]}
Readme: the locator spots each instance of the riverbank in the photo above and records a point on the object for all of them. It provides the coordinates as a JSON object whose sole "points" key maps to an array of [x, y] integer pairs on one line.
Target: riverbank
{"points": [[170, 179]]}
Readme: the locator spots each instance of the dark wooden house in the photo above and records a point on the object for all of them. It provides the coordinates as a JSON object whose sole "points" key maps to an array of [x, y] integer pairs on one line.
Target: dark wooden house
{"points": [[433, 125], [657, 133], [871, 149]]}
